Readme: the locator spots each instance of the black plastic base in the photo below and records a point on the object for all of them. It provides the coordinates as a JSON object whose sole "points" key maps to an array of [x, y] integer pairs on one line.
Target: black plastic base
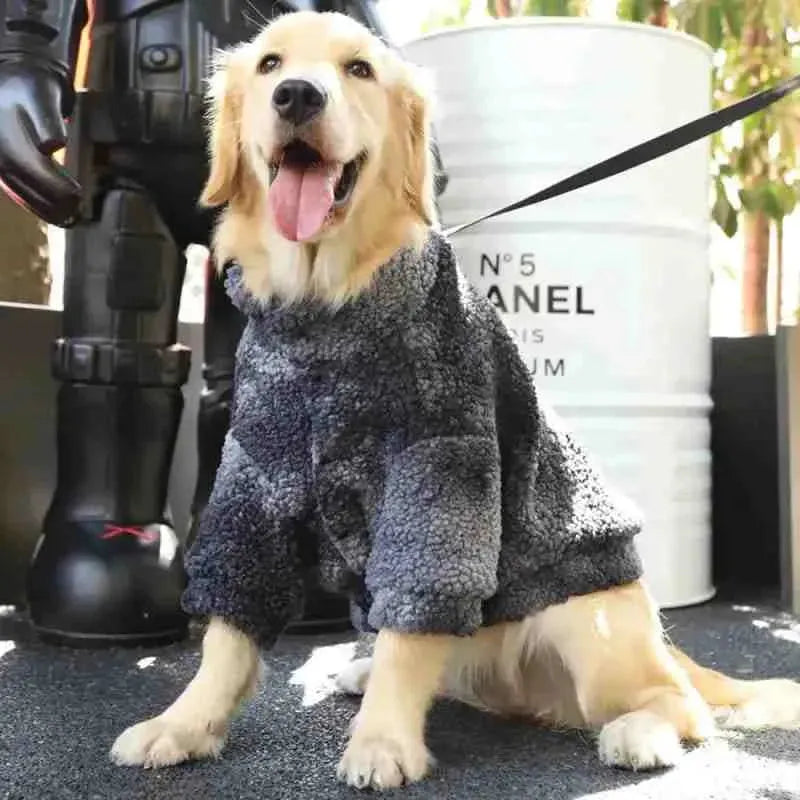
{"points": [[312, 627], [101, 584], [78, 641], [325, 612]]}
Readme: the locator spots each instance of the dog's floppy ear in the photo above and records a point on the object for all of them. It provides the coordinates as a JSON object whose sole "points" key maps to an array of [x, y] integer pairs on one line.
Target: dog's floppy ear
{"points": [[224, 117], [418, 180]]}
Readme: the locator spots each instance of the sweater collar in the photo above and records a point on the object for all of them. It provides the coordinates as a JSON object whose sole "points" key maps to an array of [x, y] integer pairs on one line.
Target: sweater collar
{"points": [[397, 290]]}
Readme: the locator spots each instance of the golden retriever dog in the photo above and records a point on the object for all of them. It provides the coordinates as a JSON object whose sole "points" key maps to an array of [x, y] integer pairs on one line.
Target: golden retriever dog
{"points": [[599, 662]]}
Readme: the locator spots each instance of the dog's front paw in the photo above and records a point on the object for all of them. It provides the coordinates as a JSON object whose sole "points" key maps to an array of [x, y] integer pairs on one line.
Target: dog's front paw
{"points": [[640, 740], [161, 742], [381, 762]]}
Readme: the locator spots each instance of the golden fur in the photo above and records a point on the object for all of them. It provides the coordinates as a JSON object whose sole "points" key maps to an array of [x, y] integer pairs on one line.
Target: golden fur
{"points": [[600, 662], [389, 118]]}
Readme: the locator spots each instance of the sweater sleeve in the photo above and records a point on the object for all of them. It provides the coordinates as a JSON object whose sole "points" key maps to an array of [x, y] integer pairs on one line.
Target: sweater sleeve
{"points": [[242, 566], [437, 537]]}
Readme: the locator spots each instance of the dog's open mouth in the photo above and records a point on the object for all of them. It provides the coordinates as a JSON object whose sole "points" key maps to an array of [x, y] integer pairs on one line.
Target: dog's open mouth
{"points": [[305, 189]]}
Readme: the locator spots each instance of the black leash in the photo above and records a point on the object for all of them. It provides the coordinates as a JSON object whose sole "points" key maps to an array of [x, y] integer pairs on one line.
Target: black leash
{"points": [[649, 150]]}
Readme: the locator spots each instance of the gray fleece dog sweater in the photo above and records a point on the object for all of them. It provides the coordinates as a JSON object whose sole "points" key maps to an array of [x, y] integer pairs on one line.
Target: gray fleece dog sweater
{"points": [[402, 436]]}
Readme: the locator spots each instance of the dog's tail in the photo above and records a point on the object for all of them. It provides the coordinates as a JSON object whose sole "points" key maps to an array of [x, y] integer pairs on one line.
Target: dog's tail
{"points": [[738, 703]]}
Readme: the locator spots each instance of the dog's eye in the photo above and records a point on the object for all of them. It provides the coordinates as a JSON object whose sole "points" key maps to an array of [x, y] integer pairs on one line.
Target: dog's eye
{"points": [[269, 63], [359, 69]]}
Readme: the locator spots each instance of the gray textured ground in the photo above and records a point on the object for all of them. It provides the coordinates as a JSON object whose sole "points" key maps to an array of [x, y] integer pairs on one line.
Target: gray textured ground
{"points": [[60, 710]]}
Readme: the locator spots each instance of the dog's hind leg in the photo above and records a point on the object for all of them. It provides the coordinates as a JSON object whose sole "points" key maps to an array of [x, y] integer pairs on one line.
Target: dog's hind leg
{"points": [[744, 704], [196, 724], [626, 683], [387, 743]]}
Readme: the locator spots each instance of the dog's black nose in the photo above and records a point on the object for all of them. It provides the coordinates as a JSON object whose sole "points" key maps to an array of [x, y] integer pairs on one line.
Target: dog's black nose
{"points": [[298, 101]]}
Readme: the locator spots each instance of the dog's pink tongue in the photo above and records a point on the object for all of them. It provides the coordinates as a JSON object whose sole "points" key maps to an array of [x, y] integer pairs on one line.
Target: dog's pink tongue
{"points": [[301, 199]]}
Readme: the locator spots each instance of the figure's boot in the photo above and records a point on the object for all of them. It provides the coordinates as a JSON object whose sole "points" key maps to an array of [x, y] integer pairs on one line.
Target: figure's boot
{"points": [[108, 567]]}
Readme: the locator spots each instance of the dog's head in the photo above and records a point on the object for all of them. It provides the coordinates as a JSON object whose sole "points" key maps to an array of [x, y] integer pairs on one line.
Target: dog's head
{"points": [[319, 133]]}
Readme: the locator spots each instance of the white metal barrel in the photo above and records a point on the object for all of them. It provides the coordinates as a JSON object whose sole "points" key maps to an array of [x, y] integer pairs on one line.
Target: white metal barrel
{"points": [[607, 288]]}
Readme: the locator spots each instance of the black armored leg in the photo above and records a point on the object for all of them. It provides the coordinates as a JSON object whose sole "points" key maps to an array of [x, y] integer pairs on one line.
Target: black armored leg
{"points": [[108, 567], [221, 332]]}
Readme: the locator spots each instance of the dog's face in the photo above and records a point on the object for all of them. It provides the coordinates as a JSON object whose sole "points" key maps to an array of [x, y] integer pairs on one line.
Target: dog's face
{"points": [[318, 119]]}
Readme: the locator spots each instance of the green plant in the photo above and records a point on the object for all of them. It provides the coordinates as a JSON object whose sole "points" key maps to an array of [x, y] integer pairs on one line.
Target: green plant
{"points": [[759, 163], [755, 162], [447, 19], [540, 8], [654, 12], [25, 272]]}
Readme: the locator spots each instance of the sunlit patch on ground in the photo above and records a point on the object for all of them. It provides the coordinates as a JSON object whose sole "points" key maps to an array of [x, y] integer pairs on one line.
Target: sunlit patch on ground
{"points": [[781, 626], [763, 777], [144, 663], [788, 635]]}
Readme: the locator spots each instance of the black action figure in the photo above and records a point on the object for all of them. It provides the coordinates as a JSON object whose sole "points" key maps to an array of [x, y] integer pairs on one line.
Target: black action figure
{"points": [[108, 566]]}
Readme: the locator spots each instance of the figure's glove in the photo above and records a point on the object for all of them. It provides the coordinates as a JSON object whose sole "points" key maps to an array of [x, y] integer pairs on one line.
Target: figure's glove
{"points": [[33, 104]]}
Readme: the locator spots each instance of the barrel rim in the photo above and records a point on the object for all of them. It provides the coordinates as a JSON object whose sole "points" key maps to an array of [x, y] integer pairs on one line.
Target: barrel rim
{"points": [[584, 22]]}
